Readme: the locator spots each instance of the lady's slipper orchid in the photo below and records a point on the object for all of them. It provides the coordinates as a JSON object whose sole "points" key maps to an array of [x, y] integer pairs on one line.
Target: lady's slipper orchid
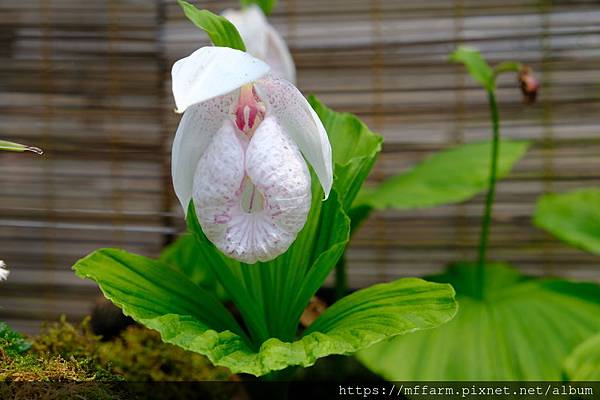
{"points": [[3, 271], [262, 40], [238, 152]]}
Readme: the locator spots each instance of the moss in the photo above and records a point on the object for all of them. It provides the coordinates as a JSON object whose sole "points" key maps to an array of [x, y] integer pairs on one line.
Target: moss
{"points": [[140, 355], [64, 352], [90, 368]]}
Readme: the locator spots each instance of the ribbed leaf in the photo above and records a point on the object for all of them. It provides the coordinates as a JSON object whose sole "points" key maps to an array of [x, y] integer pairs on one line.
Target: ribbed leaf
{"points": [[478, 68], [146, 288], [449, 176], [573, 217], [584, 362], [523, 329], [220, 31], [161, 298], [354, 148], [184, 255]]}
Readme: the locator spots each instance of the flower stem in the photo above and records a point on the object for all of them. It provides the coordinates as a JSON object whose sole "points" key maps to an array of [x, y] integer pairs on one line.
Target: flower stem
{"points": [[491, 194], [341, 278]]}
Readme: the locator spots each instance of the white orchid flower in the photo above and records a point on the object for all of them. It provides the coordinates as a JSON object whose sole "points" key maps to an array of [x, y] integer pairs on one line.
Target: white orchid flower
{"points": [[262, 40], [3, 271], [238, 152]]}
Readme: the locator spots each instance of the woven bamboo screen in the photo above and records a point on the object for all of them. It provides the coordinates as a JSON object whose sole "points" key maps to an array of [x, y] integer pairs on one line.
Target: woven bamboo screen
{"points": [[89, 82]]}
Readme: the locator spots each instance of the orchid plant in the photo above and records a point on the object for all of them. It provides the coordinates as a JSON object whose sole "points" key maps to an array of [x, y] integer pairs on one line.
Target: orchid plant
{"points": [[266, 179], [509, 326]]}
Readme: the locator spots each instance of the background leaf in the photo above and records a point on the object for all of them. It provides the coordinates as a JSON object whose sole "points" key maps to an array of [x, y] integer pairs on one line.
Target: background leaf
{"points": [[266, 5], [523, 329], [573, 217], [477, 67], [184, 255], [449, 176], [584, 362], [220, 31]]}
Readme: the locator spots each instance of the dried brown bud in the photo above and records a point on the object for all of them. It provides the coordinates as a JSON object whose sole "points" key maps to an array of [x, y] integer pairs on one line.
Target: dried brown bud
{"points": [[529, 84]]}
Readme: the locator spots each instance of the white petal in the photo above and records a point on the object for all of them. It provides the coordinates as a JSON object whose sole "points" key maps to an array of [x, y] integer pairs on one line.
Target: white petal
{"points": [[196, 130], [272, 165], [213, 71], [3, 271], [252, 25], [278, 56], [301, 123]]}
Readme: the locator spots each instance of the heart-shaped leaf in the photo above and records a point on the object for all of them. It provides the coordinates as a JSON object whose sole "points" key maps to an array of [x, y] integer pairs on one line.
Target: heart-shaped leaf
{"points": [[573, 217], [220, 31], [584, 362], [162, 298], [523, 329]]}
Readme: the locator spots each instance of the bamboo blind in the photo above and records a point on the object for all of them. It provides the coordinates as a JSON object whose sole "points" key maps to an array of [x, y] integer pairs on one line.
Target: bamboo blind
{"points": [[90, 83]]}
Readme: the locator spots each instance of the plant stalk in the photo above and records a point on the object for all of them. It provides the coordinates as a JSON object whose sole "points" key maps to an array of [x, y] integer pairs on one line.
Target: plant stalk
{"points": [[341, 278], [491, 193]]}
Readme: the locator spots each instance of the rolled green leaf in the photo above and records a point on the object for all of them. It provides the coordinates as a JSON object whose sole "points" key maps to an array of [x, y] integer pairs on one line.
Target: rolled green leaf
{"points": [[523, 329], [477, 67], [573, 217], [220, 31], [450, 176], [266, 5], [16, 147]]}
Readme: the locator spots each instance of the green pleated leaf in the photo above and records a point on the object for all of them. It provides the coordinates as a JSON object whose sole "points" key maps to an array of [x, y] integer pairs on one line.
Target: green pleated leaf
{"points": [[354, 149], [184, 255], [266, 5], [477, 67], [220, 31], [17, 147], [163, 299], [523, 329], [583, 364], [573, 217], [145, 288], [449, 176]]}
